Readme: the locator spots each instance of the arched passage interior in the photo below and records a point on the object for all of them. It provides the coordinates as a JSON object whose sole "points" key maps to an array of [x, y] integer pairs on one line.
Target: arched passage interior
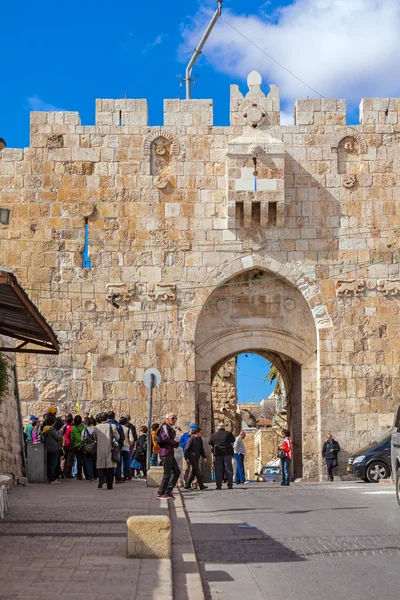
{"points": [[258, 311]]}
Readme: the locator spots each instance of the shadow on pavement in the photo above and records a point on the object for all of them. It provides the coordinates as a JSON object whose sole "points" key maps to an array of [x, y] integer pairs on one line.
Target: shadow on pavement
{"points": [[238, 543]]}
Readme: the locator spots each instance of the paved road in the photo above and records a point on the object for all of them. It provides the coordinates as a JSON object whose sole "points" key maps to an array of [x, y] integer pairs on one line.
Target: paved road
{"points": [[306, 542]]}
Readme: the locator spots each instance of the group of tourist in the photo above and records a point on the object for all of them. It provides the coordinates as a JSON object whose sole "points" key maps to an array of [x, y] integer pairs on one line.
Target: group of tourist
{"points": [[91, 447], [106, 449]]}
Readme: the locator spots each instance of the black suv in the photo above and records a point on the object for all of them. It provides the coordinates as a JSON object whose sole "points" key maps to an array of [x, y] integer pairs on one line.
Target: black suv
{"points": [[372, 463]]}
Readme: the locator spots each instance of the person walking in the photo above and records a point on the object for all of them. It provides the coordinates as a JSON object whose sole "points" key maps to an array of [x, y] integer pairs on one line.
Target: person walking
{"points": [[89, 449], [140, 453], [239, 453], [52, 443], [330, 451], [185, 437], [105, 433], [69, 450], [76, 437], [121, 440], [285, 454], [221, 443], [167, 443], [125, 453], [193, 450], [155, 448]]}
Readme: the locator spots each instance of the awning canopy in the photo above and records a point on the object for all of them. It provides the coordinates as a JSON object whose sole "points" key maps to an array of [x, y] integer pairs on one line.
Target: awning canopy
{"points": [[20, 319]]}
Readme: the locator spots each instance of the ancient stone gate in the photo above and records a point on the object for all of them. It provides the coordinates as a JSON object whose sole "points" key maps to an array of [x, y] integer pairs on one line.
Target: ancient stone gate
{"points": [[180, 245]]}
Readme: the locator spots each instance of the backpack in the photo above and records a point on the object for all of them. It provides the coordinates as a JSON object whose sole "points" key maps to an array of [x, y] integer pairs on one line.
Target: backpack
{"points": [[158, 439], [88, 443]]}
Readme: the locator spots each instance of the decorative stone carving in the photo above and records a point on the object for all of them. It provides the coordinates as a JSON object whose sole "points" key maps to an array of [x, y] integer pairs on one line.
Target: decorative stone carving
{"points": [[122, 295], [350, 287], [389, 287], [160, 182], [351, 140], [253, 114], [355, 287], [289, 304], [86, 209], [348, 180], [168, 140], [130, 296], [162, 292], [161, 146]]}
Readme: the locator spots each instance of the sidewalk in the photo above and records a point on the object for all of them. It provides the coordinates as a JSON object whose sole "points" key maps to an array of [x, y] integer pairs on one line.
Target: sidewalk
{"points": [[69, 542]]}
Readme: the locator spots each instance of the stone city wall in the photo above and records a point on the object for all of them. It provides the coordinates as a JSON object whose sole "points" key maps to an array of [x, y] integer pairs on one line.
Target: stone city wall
{"points": [[172, 212], [10, 435]]}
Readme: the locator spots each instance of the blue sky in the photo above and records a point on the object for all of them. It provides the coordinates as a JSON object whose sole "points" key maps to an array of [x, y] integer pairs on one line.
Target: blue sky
{"points": [[66, 54], [251, 372]]}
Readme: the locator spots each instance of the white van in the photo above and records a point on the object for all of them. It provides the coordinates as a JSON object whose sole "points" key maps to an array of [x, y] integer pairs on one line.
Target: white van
{"points": [[396, 452]]}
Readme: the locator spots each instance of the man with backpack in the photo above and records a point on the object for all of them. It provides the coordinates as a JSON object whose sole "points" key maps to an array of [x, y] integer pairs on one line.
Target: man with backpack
{"points": [[89, 448], [165, 438]]}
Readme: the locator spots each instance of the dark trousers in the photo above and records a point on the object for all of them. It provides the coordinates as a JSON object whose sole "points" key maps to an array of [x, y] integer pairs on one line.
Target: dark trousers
{"points": [[330, 464], [106, 475], [126, 460], [240, 476], [285, 470], [223, 464], [79, 462], [90, 465], [171, 474], [52, 462], [69, 452], [195, 472]]}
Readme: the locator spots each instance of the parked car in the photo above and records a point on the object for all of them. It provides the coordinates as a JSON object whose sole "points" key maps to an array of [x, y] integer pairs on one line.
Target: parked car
{"points": [[272, 471], [396, 452], [373, 462]]}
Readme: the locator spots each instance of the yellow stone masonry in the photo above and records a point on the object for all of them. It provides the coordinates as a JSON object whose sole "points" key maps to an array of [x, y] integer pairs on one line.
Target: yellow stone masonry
{"points": [[299, 221]]}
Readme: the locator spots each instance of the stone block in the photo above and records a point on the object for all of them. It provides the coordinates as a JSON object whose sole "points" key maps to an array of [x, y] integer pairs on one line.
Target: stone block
{"points": [[149, 536], [154, 476]]}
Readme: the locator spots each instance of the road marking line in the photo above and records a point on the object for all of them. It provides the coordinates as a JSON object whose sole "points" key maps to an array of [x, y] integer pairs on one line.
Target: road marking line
{"points": [[392, 492]]}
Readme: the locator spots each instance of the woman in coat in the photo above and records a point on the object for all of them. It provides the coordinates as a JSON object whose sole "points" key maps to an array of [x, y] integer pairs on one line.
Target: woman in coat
{"points": [[52, 443], [104, 433]]}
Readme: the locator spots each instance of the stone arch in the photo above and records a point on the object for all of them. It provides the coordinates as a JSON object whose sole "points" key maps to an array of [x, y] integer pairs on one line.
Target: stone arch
{"points": [[161, 133], [353, 133], [282, 317], [290, 272]]}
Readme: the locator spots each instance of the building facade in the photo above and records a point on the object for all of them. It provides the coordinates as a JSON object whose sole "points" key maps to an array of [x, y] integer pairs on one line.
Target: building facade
{"points": [[180, 246]]}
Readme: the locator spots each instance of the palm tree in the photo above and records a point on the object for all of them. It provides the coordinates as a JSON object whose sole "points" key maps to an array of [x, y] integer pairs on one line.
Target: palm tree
{"points": [[274, 375]]}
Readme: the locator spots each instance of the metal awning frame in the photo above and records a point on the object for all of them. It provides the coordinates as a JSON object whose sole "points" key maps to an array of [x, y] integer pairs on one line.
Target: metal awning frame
{"points": [[41, 346]]}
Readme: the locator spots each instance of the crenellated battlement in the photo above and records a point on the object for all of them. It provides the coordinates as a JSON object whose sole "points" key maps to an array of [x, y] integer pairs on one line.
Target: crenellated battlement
{"points": [[255, 110]]}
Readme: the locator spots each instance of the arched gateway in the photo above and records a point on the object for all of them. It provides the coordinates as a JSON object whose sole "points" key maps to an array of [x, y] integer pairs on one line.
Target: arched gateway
{"points": [[256, 304]]}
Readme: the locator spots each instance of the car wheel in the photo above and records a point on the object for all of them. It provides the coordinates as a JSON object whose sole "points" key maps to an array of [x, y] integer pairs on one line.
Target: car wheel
{"points": [[398, 485], [377, 471]]}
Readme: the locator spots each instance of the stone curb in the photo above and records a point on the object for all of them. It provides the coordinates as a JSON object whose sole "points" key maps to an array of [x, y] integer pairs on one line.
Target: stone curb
{"points": [[187, 584]]}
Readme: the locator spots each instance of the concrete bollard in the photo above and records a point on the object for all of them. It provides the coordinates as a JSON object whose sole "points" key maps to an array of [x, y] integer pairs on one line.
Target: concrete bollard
{"points": [[149, 536], [154, 476]]}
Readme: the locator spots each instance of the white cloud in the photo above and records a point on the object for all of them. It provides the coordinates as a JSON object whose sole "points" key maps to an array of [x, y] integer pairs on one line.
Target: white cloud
{"points": [[341, 48], [158, 40], [37, 104]]}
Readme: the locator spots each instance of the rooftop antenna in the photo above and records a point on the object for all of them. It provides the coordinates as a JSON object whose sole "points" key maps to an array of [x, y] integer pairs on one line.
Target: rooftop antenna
{"points": [[188, 78]]}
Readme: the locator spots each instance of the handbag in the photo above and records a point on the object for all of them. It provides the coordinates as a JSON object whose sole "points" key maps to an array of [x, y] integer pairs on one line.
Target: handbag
{"points": [[115, 452], [281, 454]]}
